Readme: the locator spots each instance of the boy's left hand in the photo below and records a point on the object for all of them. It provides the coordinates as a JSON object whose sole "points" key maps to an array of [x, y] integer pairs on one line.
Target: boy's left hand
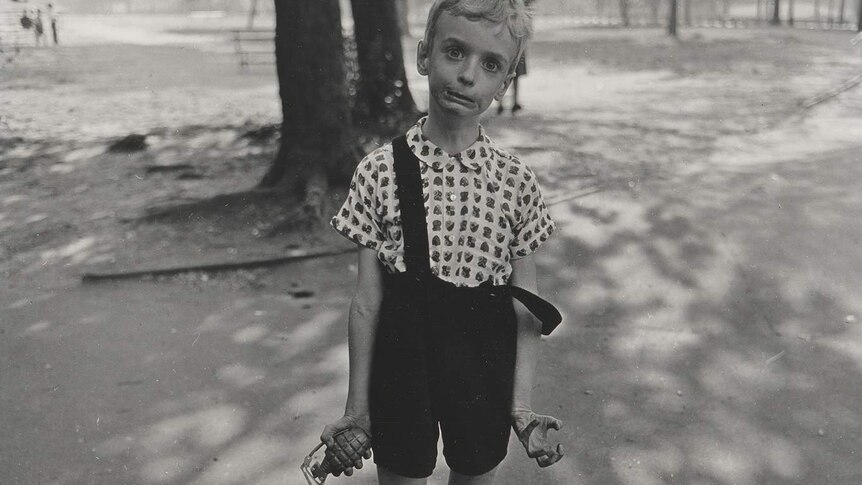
{"points": [[532, 431]]}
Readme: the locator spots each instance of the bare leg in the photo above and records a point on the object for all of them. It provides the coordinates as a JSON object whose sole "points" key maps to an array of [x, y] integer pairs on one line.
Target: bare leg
{"points": [[456, 478], [386, 477], [515, 105], [515, 89]]}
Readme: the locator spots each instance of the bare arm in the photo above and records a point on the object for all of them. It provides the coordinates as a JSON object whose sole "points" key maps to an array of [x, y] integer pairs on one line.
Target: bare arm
{"points": [[529, 334], [349, 438], [532, 429], [362, 327]]}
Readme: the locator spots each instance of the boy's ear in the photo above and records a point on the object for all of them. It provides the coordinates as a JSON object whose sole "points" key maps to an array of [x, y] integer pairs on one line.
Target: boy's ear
{"points": [[502, 91], [422, 58]]}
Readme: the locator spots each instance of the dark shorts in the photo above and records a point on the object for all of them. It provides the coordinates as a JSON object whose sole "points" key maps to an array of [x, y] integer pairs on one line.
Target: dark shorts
{"points": [[450, 373]]}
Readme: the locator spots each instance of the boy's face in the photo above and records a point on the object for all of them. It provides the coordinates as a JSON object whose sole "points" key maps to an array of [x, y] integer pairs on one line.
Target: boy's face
{"points": [[467, 64]]}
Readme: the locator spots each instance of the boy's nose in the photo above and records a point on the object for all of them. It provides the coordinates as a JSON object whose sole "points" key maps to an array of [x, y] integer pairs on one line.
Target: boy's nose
{"points": [[467, 75]]}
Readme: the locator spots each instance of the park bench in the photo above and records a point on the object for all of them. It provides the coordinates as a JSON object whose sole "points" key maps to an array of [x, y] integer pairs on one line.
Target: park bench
{"points": [[257, 46], [254, 47]]}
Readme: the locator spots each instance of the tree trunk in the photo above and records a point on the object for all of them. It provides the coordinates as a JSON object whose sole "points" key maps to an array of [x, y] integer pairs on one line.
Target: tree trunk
{"points": [[776, 13], [671, 18], [403, 11], [317, 143], [790, 12], [624, 12], [841, 7], [382, 95], [686, 12], [859, 16], [653, 7], [252, 12]]}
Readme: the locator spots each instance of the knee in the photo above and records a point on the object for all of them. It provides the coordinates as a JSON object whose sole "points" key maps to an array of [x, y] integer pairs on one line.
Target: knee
{"points": [[486, 478], [388, 477]]}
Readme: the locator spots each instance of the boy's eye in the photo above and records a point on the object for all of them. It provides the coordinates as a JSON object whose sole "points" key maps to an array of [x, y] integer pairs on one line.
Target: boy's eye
{"points": [[492, 65], [454, 53]]}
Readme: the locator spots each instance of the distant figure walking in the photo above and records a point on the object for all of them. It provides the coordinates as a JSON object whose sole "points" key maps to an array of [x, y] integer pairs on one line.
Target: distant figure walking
{"points": [[26, 21], [520, 70], [52, 17], [38, 28]]}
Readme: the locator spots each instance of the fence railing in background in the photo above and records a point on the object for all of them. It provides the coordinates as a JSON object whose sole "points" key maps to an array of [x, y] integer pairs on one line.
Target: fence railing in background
{"points": [[254, 47]]}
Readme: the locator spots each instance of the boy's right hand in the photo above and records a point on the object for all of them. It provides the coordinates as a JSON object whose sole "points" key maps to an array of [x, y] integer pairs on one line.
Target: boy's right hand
{"points": [[532, 431], [348, 441]]}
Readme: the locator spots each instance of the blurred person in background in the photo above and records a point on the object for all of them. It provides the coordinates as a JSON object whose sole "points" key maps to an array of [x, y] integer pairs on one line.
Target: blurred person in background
{"points": [[520, 70], [26, 21], [38, 28], [52, 17]]}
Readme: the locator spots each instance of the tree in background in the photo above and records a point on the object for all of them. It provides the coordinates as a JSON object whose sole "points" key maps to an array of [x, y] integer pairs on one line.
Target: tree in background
{"points": [[252, 11], [319, 144], [403, 8], [776, 13], [671, 18], [725, 9], [624, 12], [382, 95], [317, 141], [653, 8]]}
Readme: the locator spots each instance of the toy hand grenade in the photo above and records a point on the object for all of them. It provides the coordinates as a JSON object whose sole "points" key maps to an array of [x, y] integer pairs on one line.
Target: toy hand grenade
{"points": [[314, 469]]}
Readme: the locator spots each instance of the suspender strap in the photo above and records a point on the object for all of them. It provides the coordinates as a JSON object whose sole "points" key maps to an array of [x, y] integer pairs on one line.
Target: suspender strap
{"points": [[542, 309], [409, 191], [415, 232]]}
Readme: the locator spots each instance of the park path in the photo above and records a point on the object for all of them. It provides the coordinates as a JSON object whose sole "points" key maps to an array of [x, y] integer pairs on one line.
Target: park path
{"points": [[712, 329]]}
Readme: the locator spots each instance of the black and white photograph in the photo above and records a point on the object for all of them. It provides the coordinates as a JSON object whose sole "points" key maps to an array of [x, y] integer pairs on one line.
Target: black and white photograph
{"points": [[428, 242]]}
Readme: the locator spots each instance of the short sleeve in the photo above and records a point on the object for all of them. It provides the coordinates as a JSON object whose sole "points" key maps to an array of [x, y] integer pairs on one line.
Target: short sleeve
{"points": [[358, 219], [533, 225]]}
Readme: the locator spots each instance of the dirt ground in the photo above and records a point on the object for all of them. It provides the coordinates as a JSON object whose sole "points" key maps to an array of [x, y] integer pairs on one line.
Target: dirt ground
{"points": [[706, 262]]}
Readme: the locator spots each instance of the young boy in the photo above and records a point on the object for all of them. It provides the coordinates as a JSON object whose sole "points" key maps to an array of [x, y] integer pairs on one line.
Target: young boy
{"points": [[447, 224]]}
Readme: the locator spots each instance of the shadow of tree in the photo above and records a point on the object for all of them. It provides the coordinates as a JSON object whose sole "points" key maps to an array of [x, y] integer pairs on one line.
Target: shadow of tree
{"points": [[703, 344], [280, 376], [696, 350]]}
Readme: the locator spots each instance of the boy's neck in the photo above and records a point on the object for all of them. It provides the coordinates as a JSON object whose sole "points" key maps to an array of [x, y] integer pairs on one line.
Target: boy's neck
{"points": [[452, 135]]}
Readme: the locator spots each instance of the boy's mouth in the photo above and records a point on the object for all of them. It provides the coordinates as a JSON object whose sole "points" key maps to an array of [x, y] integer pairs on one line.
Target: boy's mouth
{"points": [[458, 97]]}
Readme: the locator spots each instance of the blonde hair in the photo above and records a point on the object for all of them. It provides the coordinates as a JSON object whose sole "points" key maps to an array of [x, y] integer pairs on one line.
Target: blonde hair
{"points": [[513, 13]]}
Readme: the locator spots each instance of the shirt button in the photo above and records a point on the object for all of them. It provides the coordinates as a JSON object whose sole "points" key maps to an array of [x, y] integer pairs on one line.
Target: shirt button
{"points": [[452, 197]]}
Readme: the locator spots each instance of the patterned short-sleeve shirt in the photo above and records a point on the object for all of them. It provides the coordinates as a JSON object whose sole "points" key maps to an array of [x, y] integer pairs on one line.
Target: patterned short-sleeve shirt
{"points": [[483, 208]]}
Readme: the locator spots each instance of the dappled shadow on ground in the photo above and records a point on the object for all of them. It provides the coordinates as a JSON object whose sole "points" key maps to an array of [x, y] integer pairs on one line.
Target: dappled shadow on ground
{"points": [[707, 341], [694, 350], [219, 386], [702, 345]]}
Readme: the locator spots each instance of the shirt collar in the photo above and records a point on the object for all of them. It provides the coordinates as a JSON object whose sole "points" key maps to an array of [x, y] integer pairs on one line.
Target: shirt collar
{"points": [[473, 157]]}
